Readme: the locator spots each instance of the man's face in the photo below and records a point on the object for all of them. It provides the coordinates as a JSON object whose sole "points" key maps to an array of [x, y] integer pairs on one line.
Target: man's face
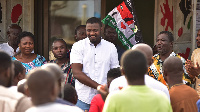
{"points": [[93, 32], [59, 50], [198, 39], [81, 34], [163, 44], [13, 36], [110, 35]]}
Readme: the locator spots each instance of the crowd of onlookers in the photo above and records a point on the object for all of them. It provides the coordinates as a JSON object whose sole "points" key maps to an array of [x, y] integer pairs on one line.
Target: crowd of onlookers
{"points": [[96, 74]]}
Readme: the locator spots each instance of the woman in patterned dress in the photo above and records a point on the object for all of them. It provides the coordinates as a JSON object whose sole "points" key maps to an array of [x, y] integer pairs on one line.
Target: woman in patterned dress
{"points": [[28, 59]]}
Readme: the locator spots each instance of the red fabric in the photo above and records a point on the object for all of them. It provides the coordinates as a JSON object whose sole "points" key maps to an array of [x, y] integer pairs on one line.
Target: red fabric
{"points": [[186, 54], [167, 15], [125, 13], [16, 12], [97, 104]]}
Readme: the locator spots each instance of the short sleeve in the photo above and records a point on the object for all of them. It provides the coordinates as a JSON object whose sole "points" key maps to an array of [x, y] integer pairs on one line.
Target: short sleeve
{"points": [[76, 55]]}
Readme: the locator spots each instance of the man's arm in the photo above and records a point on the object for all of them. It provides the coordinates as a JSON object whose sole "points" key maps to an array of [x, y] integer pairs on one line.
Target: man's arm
{"points": [[82, 77]]}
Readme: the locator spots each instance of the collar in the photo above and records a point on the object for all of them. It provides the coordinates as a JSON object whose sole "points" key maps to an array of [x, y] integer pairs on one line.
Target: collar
{"points": [[9, 46], [92, 43], [157, 56]]}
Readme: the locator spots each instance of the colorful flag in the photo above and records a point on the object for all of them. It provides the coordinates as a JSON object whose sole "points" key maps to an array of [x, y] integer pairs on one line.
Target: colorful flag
{"points": [[124, 21]]}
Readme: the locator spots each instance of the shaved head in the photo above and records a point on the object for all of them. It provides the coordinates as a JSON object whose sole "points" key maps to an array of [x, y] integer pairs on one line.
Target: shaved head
{"points": [[42, 85], [146, 49], [134, 65], [173, 69], [54, 68]]}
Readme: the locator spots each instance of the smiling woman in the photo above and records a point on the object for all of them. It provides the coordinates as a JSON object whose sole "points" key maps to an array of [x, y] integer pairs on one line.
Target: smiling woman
{"points": [[28, 59]]}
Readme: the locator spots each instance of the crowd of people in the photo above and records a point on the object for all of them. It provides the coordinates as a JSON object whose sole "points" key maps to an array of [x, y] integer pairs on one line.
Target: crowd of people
{"points": [[96, 74]]}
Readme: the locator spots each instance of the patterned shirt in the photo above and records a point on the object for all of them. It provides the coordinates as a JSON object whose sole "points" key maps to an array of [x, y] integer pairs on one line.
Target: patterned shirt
{"points": [[155, 70], [66, 68], [37, 62]]}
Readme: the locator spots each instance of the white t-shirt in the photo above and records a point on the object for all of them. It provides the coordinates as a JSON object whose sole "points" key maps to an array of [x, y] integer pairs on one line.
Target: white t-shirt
{"points": [[149, 81], [97, 61], [54, 107], [6, 48]]}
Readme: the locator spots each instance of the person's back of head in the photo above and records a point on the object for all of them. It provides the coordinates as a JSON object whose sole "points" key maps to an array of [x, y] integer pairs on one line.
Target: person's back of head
{"points": [[173, 70], [6, 69], [19, 72], [22, 87], [56, 70], [112, 74], [134, 66], [146, 49], [70, 93], [42, 85]]}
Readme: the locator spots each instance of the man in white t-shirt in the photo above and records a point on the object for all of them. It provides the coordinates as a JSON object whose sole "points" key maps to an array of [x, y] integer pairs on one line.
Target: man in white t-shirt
{"points": [[121, 82], [43, 97], [91, 59]]}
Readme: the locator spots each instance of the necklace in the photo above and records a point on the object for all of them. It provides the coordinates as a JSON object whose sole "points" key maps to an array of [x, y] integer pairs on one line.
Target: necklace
{"points": [[177, 85]]}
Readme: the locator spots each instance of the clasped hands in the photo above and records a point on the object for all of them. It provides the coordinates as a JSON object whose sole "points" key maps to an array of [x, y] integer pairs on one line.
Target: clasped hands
{"points": [[191, 69]]}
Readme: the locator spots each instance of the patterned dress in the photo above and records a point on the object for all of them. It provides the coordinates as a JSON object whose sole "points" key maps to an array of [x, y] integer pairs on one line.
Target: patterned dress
{"points": [[155, 70], [37, 62], [66, 68]]}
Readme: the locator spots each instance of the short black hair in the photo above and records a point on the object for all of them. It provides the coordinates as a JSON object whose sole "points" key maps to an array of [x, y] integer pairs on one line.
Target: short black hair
{"points": [[134, 64], [14, 26], [25, 34], [169, 35], [78, 27], [70, 93], [94, 20], [60, 40], [5, 61], [18, 67], [114, 73]]}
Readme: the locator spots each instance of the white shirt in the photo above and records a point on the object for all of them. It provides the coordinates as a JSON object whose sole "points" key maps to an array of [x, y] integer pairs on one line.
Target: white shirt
{"points": [[54, 107], [7, 48], [8, 100], [149, 81], [97, 61]]}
